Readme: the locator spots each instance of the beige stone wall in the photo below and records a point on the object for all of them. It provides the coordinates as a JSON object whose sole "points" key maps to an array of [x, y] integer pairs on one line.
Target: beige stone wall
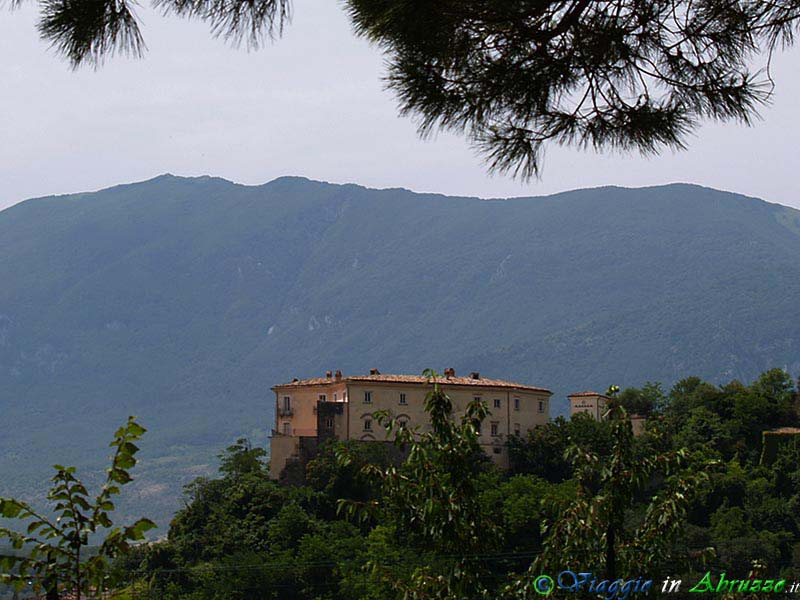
{"points": [[594, 405], [281, 449], [340, 423], [301, 418], [528, 409], [362, 423], [638, 424], [516, 408], [511, 411]]}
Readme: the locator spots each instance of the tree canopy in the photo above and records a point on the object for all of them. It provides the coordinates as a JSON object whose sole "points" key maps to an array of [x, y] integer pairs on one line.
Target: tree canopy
{"points": [[514, 76], [436, 522], [694, 492]]}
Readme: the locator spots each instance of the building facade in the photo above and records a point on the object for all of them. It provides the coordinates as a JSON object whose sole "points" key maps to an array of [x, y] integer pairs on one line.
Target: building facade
{"points": [[596, 404], [312, 410], [592, 403]]}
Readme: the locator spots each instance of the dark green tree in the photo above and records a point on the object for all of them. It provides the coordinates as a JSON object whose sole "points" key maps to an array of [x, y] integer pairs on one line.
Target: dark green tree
{"points": [[594, 530], [230, 513], [242, 459], [702, 428], [519, 504], [432, 502], [335, 481], [543, 451], [647, 401]]}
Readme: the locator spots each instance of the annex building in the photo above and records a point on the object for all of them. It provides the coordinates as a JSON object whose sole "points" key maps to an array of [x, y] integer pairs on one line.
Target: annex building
{"points": [[595, 405], [310, 411]]}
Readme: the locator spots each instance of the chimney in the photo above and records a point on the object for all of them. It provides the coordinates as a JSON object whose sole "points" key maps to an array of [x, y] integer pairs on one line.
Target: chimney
{"points": [[374, 372], [475, 375], [449, 372], [338, 375], [328, 374]]}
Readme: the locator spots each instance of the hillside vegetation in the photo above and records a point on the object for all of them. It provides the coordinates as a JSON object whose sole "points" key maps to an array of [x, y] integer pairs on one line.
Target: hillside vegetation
{"points": [[692, 495], [183, 300]]}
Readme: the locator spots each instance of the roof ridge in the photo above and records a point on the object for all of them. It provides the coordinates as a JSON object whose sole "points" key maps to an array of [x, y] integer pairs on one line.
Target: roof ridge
{"points": [[413, 379]]}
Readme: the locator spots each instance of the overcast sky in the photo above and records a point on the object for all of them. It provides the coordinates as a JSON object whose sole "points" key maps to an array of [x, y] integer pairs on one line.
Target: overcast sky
{"points": [[312, 104]]}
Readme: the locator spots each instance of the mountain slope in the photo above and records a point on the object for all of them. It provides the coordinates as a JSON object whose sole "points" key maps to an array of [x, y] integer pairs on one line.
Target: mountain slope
{"points": [[184, 300]]}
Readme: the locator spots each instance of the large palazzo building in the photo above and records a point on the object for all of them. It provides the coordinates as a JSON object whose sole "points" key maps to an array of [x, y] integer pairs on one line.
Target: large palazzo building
{"points": [[311, 410]]}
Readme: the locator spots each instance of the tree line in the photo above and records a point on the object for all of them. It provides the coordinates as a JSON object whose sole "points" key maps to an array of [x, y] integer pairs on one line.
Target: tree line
{"points": [[694, 493]]}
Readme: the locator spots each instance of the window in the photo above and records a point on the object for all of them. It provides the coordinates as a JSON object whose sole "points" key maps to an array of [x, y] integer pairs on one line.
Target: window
{"points": [[335, 396], [323, 398], [516, 403], [477, 398], [287, 429], [368, 397], [367, 424], [287, 403], [403, 423], [403, 399], [516, 429], [494, 429], [497, 450], [497, 402], [541, 405], [329, 423]]}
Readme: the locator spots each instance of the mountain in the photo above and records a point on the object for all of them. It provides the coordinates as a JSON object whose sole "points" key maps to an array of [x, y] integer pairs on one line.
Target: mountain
{"points": [[183, 300]]}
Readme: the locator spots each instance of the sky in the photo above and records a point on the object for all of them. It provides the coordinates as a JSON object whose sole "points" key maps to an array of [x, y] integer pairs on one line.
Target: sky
{"points": [[312, 104]]}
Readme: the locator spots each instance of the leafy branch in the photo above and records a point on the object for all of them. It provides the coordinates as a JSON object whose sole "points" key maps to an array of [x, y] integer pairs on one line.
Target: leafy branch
{"points": [[51, 554]]}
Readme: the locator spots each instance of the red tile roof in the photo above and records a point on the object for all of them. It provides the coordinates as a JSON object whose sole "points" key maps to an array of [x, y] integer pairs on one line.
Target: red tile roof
{"points": [[312, 381], [586, 394], [416, 380]]}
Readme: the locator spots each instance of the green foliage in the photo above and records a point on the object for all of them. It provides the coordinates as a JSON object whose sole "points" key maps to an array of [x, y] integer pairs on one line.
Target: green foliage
{"points": [[648, 400], [702, 428], [54, 550], [336, 481], [223, 516], [87, 32], [544, 452], [730, 523], [243, 536], [432, 500], [732, 417], [242, 459], [787, 469], [519, 505], [748, 510], [622, 74], [124, 264], [443, 524], [288, 527], [592, 532]]}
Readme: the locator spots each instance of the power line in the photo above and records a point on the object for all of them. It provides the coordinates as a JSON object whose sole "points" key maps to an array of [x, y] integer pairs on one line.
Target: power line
{"points": [[493, 556]]}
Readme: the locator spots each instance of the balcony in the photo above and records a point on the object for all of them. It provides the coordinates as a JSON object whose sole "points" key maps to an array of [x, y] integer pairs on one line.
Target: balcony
{"points": [[285, 412], [295, 433]]}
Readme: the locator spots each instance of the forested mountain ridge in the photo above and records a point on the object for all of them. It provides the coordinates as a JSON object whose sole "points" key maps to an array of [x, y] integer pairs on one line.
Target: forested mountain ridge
{"points": [[183, 300]]}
